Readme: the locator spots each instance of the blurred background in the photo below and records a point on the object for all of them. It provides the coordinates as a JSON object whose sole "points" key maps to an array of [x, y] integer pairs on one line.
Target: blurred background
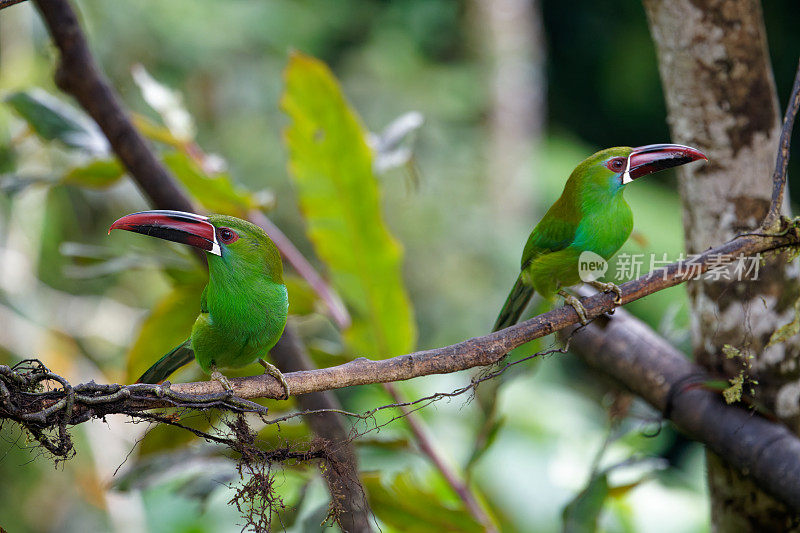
{"points": [[506, 98]]}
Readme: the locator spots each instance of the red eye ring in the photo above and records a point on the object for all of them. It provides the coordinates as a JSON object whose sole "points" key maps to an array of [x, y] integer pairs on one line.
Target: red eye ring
{"points": [[616, 164], [227, 235]]}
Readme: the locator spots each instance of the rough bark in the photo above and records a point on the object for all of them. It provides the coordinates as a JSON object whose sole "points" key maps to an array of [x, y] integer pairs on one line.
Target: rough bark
{"points": [[514, 45], [721, 98]]}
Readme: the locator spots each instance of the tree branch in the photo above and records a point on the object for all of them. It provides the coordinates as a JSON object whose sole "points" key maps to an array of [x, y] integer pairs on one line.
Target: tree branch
{"points": [[782, 160], [78, 74], [489, 349], [485, 350]]}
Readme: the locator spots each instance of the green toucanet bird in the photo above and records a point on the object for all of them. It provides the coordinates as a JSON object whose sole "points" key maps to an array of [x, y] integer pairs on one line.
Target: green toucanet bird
{"points": [[243, 308], [590, 216]]}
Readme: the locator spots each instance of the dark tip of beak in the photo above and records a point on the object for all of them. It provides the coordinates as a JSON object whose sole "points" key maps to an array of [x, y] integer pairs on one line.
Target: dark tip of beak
{"points": [[655, 157], [176, 226]]}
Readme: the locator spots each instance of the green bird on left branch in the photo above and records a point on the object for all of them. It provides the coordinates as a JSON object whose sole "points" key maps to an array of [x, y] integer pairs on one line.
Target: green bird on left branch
{"points": [[243, 308]]}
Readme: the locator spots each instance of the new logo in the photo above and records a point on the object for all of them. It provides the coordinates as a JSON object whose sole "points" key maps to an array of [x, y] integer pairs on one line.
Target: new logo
{"points": [[591, 266]]}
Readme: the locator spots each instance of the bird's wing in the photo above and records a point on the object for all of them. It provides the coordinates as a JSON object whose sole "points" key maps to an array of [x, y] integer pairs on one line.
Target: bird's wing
{"points": [[551, 234]]}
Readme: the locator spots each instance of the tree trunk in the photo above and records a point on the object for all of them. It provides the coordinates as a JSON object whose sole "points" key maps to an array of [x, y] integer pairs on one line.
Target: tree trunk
{"points": [[721, 99], [513, 43]]}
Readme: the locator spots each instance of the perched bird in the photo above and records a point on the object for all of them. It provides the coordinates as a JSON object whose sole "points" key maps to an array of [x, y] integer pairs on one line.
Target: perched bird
{"points": [[590, 216], [243, 308]]}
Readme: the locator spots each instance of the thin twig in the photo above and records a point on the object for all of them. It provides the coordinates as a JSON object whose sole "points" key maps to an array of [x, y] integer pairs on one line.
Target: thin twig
{"points": [[427, 447], [782, 160]]}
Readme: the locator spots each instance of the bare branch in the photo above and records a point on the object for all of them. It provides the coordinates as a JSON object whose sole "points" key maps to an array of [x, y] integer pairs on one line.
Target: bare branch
{"points": [[782, 161], [489, 349], [479, 351]]}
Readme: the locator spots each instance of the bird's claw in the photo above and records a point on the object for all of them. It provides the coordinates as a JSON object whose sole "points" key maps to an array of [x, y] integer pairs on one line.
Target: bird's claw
{"points": [[576, 304], [218, 376], [608, 287], [275, 373]]}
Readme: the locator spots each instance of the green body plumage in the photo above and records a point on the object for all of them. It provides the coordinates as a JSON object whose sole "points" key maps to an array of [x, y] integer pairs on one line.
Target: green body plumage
{"points": [[591, 215], [243, 309]]}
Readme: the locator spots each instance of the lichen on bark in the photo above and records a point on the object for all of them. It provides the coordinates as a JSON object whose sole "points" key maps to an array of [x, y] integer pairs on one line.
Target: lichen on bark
{"points": [[721, 98]]}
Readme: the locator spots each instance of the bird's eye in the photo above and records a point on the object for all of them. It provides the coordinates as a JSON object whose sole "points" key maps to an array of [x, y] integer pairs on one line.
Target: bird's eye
{"points": [[227, 235], [616, 164]]}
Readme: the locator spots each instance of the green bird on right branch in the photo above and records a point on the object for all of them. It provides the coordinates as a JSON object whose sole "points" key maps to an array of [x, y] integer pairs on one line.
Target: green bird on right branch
{"points": [[590, 216]]}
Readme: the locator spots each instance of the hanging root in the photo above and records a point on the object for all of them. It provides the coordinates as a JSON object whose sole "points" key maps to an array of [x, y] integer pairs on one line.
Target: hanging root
{"points": [[45, 404]]}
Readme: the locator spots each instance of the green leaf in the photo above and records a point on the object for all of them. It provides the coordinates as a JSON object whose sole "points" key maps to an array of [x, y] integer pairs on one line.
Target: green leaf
{"points": [[99, 173], [216, 193], [406, 505], [332, 168], [51, 119], [168, 325]]}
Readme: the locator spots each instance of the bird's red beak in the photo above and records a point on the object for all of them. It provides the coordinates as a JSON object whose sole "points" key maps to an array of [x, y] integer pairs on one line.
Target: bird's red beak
{"points": [[654, 157], [177, 226]]}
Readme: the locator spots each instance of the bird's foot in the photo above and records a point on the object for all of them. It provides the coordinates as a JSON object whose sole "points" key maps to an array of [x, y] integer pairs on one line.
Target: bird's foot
{"points": [[216, 375], [275, 373], [608, 287], [576, 304]]}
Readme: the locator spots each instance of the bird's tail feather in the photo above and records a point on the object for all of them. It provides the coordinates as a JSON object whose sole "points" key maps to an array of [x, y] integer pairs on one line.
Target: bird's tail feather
{"points": [[172, 361], [515, 304]]}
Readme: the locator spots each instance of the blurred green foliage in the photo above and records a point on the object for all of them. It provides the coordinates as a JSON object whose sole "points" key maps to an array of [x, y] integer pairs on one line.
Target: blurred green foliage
{"points": [[99, 308], [405, 505], [332, 166]]}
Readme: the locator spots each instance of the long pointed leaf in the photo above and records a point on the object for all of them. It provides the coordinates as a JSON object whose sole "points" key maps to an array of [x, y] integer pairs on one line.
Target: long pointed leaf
{"points": [[332, 168]]}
